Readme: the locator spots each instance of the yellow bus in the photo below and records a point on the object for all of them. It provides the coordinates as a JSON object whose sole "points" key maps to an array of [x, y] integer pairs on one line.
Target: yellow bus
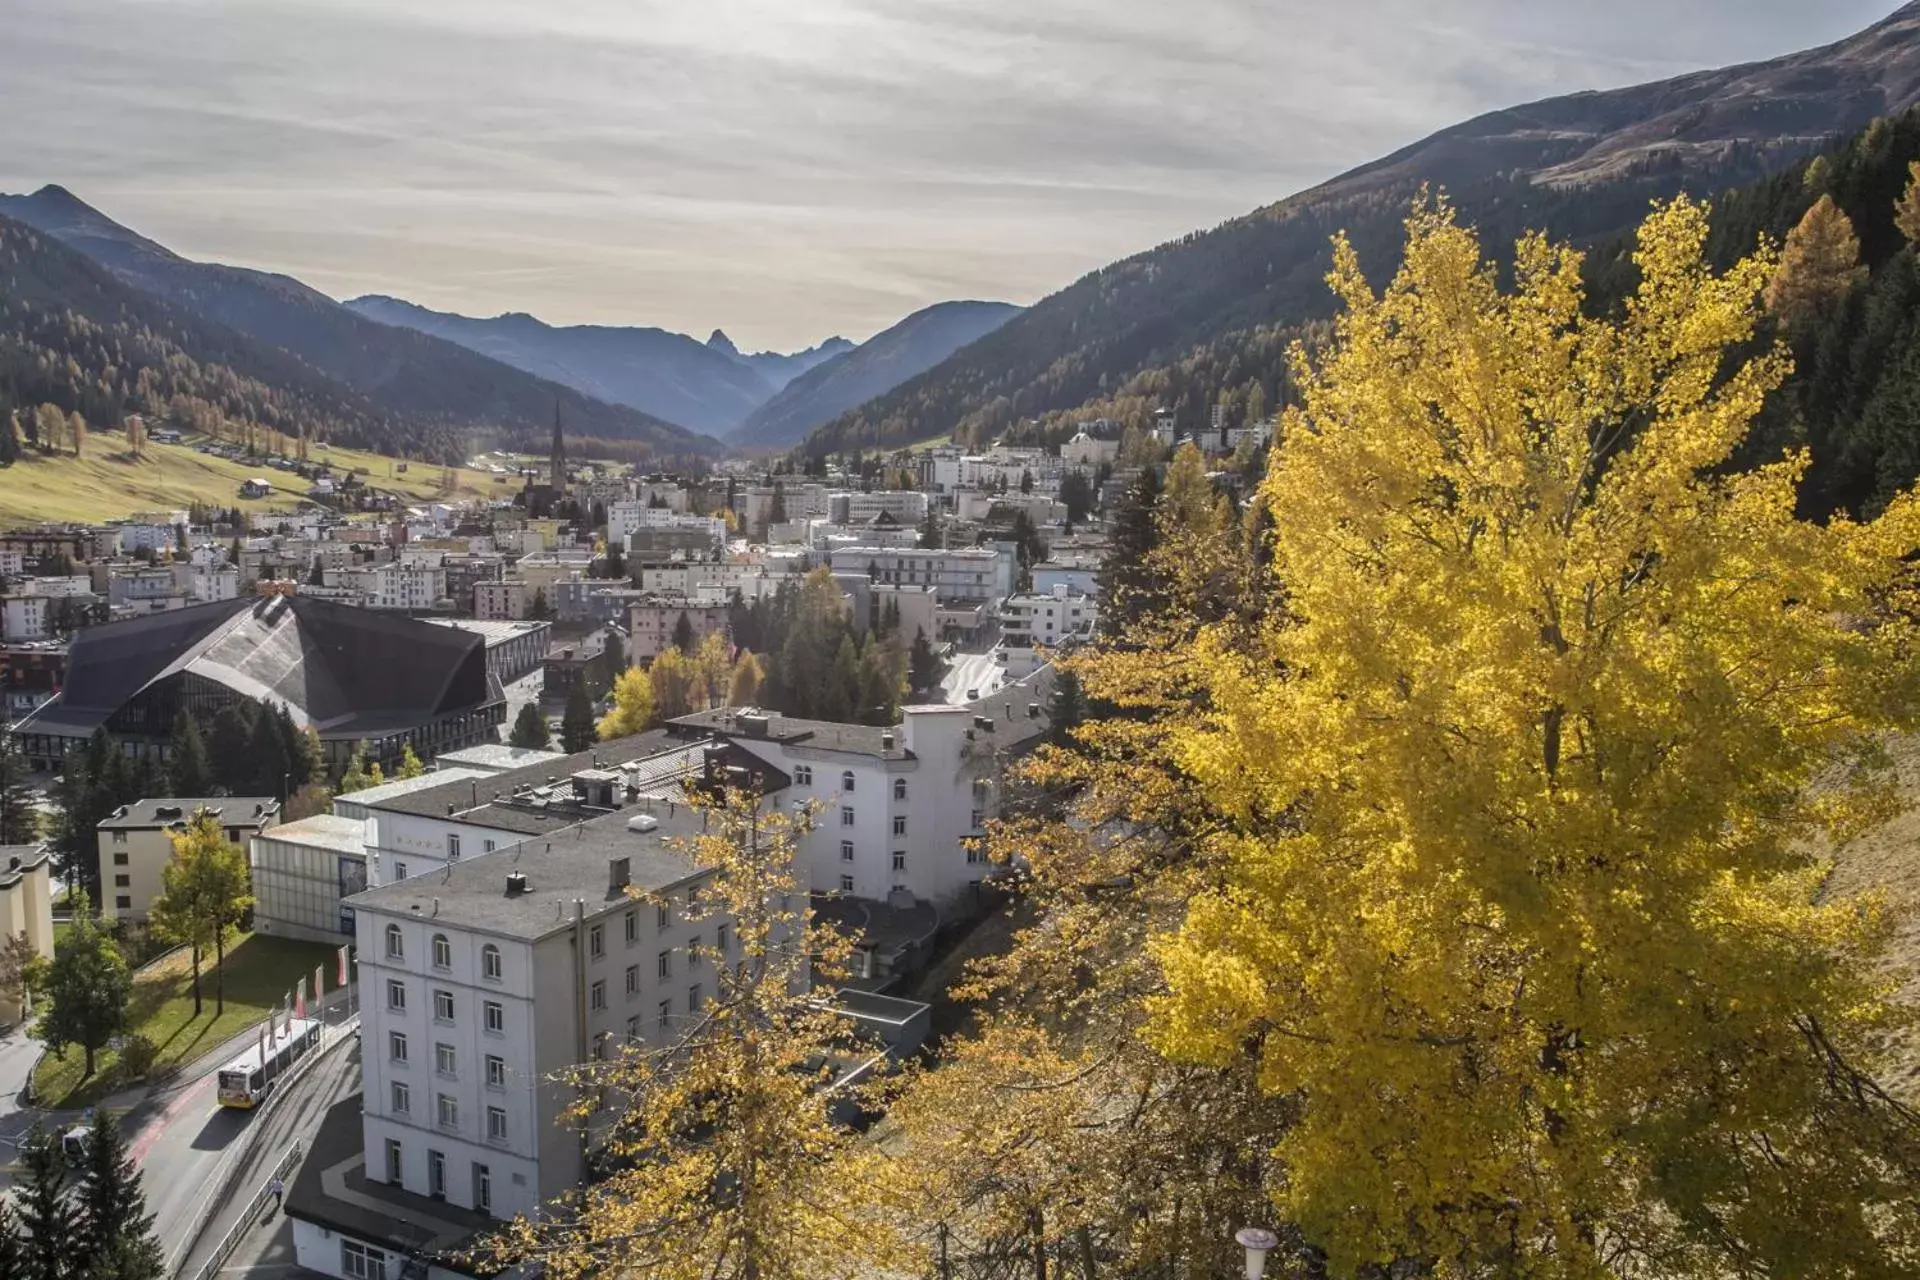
{"points": [[244, 1082]]}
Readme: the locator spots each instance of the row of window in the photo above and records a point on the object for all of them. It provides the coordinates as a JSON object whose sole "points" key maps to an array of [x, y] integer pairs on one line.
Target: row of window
{"points": [[446, 1060], [436, 1187], [491, 967], [494, 1013], [803, 776], [447, 1107]]}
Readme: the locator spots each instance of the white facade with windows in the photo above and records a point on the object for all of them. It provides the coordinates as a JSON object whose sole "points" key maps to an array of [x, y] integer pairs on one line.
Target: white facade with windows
{"points": [[475, 995], [1060, 617], [966, 573]]}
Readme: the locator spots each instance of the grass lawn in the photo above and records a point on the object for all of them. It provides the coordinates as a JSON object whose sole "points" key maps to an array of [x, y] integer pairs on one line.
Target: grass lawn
{"points": [[107, 483], [259, 972]]}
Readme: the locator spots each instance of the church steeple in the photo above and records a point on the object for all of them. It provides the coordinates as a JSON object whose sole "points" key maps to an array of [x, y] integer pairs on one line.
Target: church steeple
{"points": [[558, 465]]}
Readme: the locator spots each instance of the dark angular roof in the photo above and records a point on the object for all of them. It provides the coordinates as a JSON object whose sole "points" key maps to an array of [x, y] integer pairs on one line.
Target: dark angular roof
{"points": [[344, 670]]}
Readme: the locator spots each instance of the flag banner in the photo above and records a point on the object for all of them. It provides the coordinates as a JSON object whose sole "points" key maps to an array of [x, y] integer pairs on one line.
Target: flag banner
{"points": [[300, 1000], [343, 967], [319, 982], [260, 1035]]}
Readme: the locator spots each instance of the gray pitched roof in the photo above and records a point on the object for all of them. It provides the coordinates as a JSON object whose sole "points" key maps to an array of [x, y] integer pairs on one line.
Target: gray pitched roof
{"points": [[164, 811]]}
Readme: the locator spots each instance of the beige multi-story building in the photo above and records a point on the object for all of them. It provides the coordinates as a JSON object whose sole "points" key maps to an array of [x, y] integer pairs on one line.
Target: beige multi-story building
{"points": [[652, 622], [26, 909], [136, 843]]}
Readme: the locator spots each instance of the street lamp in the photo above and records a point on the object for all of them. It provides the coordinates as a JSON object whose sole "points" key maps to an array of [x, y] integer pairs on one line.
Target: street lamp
{"points": [[1258, 1242]]}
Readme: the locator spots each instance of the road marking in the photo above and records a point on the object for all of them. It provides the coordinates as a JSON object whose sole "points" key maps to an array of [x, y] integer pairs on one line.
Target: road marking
{"points": [[150, 1132]]}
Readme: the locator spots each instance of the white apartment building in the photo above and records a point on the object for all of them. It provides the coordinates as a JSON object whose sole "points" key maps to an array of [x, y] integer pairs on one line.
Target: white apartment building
{"points": [[209, 583], [1050, 620], [626, 518], [1088, 451], [27, 617], [895, 809], [481, 983], [965, 573], [692, 577], [908, 506], [396, 585]]}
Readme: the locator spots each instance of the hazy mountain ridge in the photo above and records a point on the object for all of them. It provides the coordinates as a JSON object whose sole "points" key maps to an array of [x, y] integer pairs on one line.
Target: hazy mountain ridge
{"points": [[877, 365], [403, 372], [1706, 130]]}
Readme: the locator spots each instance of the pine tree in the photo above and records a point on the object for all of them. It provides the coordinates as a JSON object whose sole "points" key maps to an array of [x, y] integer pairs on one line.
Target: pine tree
{"points": [[576, 722], [1068, 705], [116, 1240], [925, 667], [683, 638], [188, 773], [615, 657], [356, 777], [1906, 215], [13, 1259], [47, 1221], [267, 753], [230, 745], [19, 820], [1130, 588], [530, 729]]}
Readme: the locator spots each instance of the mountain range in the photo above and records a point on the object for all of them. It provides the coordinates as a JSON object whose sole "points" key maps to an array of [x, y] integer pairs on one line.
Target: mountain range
{"points": [[1581, 167]]}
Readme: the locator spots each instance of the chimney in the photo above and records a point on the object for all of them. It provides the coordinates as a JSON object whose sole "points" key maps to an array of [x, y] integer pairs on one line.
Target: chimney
{"points": [[516, 883], [619, 873], [886, 740]]}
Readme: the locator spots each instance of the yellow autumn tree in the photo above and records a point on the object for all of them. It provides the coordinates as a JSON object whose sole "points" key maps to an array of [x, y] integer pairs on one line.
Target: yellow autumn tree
{"points": [[1506, 810], [1906, 214], [633, 710], [728, 1120], [743, 684], [1819, 266]]}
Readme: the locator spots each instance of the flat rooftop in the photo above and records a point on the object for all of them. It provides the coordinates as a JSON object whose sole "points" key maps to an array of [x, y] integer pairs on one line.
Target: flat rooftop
{"points": [[496, 757], [369, 797], [323, 831], [571, 865], [165, 811], [745, 724]]}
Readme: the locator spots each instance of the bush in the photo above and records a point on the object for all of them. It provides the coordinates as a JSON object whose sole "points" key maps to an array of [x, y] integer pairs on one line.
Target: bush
{"points": [[137, 1056]]}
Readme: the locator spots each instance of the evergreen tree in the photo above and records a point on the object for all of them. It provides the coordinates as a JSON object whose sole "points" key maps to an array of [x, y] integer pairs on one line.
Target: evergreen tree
{"points": [[13, 1256], [270, 760], [577, 730], [305, 754], [538, 609], [1130, 590], [1067, 706], [356, 776], [616, 654], [530, 729], [188, 771], [683, 638], [86, 988], [116, 1240], [616, 561], [230, 745], [931, 536], [409, 766], [925, 667], [48, 1223], [19, 820]]}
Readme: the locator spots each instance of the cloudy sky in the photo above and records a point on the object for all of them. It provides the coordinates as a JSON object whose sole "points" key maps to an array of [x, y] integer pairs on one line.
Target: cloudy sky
{"points": [[784, 169]]}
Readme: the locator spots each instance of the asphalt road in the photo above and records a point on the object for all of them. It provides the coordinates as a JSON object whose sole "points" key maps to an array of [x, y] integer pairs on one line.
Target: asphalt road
{"points": [[266, 1250]]}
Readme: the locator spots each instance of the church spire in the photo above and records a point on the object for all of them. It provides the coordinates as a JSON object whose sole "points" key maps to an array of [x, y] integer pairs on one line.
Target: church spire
{"points": [[558, 476]]}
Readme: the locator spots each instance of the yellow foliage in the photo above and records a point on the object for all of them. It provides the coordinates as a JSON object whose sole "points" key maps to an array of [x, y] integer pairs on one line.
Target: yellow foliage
{"points": [[633, 710], [1505, 807]]}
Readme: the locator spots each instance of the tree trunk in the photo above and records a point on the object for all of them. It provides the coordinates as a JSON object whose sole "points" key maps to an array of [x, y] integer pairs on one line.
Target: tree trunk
{"points": [[1039, 1247], [220, 972], [196, 980], [89, 1073], [1086, 1252]]}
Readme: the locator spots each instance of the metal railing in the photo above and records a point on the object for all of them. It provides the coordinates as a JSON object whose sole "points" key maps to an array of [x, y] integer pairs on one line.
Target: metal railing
{"points": [[249, 1219]]}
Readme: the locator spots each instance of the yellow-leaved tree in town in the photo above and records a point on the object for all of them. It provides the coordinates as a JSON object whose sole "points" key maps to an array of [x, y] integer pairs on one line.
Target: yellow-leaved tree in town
{"points": [[1511, 795]]}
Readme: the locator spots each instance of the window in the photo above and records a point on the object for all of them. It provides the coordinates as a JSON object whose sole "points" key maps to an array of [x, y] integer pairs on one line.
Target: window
{"points": [[496, 1018], [399, 873], [496, 1071], [633, 1029], [720, 938], [693, 998], [124, 902], [486, 846], [397, 1046], [449, 1113], [633, 927], [899, 824], [846, 817], [666, 1013], [846, 780], [437, 1163], [119, 837], [661, 916], [597, 994], [803, 775], [396, 995], [393, 1161], [846, 884], [453, 845], [666, 964], [899, 788], [975, 819], [444, 1060], [496, 1124], [482, 1176], [123, 882], [443, 1006], [633, 978], [357, 1261], [975, 855], [402, 1098], [120, 859], [490, 963], [899, 859], [846, 851], [396, 945], [597, 941], [442, 952]]}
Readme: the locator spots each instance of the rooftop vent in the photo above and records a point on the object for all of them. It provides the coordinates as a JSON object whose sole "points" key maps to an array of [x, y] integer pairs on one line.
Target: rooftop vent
{"points": [[642, 822], [984, 723], [451, 808], [516, 883], [755, 724], [1033, 711], [619, 873], [163, 811], [886, 740]]}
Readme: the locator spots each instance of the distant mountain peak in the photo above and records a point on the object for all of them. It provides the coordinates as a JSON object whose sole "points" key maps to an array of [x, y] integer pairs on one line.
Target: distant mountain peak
{"points": [[723, 344]]}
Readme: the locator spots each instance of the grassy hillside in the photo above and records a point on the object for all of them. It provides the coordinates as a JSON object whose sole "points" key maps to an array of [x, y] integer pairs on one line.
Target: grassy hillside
{"points": [[107, 484]]}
